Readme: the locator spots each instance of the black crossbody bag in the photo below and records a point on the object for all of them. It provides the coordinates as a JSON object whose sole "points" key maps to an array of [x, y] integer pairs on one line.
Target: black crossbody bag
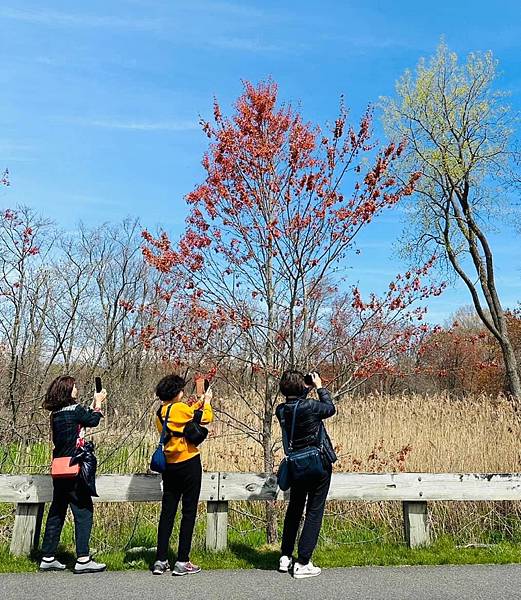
{"points": [[193, 431]]}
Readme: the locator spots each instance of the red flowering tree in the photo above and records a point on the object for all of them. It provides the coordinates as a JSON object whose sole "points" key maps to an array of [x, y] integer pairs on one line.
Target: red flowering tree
{"points": [[265, 251], [465, 358]]}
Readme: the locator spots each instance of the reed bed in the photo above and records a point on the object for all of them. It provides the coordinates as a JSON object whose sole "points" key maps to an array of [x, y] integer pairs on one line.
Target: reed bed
{"points": [[371, 434]]}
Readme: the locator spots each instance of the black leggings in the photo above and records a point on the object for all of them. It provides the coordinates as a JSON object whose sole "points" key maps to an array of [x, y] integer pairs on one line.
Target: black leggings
{"points": [[67, 492], [315, 493], [181, 481]]}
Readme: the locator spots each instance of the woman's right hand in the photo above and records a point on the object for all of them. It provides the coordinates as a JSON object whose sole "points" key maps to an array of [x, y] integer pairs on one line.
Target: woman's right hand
{"points": [[317, 381], [208, 395]]}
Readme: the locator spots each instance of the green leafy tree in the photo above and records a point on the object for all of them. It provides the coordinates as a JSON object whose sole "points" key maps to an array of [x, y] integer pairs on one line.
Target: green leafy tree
{"points": [[458, 130]]}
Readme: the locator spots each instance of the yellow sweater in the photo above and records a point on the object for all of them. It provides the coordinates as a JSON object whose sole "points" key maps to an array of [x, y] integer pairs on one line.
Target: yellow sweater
{"points": [[178, 449]]}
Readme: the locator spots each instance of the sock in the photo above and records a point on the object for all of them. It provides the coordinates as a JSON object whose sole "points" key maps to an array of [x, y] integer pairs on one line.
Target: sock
{"points": [[83, 560], [48, 558]]}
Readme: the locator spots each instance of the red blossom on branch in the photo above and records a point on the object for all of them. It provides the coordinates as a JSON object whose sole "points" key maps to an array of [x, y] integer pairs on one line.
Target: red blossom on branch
{"points": [[4, 178], [270, 225]]}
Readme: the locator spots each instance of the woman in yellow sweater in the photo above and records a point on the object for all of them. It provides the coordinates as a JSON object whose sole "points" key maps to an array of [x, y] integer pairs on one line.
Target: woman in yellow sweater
{"points": [[182, 478]]}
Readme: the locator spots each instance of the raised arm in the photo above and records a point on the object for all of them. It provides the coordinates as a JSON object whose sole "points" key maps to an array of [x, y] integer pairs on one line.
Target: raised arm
{"points": [[88, 417], [324, 408], [207, 408]]}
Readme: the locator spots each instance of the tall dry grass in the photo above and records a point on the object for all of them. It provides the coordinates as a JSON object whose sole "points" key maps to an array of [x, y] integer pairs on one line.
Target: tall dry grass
{"points": [[408, 432], [371, 433]]}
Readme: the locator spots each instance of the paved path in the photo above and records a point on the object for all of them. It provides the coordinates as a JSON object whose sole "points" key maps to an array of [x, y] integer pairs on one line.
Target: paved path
{"points": [[480, 582]]}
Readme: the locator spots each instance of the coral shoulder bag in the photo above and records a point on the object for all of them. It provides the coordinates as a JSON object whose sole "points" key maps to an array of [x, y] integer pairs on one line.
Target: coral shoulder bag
{"points": [[61, 467]]}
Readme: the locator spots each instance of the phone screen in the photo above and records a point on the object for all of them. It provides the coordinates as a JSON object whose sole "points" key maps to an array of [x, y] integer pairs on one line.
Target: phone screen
{"points": [[97, 381]]}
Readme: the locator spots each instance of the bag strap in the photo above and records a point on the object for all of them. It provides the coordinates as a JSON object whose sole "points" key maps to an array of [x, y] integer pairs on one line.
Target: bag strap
{"points": [[288, 444], [293, 426], [198, 415], [285, 443], [164, 431]]}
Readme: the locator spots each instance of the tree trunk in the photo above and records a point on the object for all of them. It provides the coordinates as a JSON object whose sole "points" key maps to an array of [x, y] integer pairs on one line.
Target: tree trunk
{"points": [[267, 448], [511, 372], [494, 321]]}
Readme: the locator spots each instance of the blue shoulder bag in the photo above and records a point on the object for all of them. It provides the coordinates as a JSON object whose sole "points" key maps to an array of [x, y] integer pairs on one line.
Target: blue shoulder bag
{"points": [[158, 460]]}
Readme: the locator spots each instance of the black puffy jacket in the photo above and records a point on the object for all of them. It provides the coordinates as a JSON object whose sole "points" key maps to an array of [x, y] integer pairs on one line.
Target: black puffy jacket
{"points": [[309, 429]]}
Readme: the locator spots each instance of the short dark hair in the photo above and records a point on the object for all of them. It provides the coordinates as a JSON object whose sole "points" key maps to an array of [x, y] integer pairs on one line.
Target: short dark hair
{"points": [[59, 393], [168, 388], [292, 383]]}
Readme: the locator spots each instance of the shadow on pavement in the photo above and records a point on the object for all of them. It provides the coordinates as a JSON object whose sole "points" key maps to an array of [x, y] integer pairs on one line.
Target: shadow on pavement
{"points": [[266, 559]]}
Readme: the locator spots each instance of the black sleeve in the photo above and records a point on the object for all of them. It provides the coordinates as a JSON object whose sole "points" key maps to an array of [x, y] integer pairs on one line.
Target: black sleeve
{"points": [[324, 408], [87, 417]]}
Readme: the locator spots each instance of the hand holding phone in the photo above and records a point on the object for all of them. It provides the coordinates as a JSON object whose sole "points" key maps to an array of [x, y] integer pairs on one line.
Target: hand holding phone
{"points": [[201, 386], [313, 380], [100, 395]]}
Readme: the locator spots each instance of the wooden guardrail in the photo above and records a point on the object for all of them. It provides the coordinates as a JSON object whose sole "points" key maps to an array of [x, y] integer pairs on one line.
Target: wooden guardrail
{"points": [[414, 490]]}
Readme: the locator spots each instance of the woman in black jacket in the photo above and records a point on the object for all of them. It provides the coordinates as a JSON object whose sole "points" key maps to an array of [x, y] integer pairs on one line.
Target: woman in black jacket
{"points": [[68, 420], [312, 494]]}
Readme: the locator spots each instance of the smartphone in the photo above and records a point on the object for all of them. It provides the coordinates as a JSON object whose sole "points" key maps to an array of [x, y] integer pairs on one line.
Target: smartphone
{"points": [[97, 383], [201, 386]]}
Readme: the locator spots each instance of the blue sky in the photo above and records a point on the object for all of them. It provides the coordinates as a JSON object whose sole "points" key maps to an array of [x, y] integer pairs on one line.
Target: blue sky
{"points": [[100, 100]]}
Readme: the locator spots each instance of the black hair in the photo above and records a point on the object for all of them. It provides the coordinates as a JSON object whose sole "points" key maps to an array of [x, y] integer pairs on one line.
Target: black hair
{"points": [[292, 384], [168, 388], [59, 393]]}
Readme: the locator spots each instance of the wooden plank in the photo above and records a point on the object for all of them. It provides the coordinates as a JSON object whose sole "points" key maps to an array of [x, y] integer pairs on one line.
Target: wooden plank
{"points": [[111, 488], [255, 486], [25, 488], [384, 486], [249, 486], [26, 529], [416, 524], [216, 526]]}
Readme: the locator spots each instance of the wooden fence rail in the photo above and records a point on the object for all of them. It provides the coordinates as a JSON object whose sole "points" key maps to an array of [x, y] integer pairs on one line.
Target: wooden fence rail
{"points": [[414, 490]]}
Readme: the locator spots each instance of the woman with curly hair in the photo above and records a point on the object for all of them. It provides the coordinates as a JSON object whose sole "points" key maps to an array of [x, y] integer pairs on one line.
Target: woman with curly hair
{"points": [[183, 475]]}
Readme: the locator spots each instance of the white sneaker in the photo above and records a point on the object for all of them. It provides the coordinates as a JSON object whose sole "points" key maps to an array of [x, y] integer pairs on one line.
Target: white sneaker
{"points": [[89, 566], [302, 571], [51, 564], [285, 564]]}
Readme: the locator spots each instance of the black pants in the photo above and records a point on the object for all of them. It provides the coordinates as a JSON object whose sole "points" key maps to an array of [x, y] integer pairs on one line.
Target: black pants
{"points": [[67, 492], [315, 492], [181, 481]]}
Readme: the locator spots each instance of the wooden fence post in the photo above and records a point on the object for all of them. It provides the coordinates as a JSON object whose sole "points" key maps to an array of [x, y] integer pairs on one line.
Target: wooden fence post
{"points": [[27, 528], [217, 525], [416, 524]]}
